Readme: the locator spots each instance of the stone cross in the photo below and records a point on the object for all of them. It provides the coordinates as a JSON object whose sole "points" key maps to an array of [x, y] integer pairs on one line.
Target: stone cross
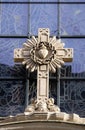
{"points": [[43, 54]]}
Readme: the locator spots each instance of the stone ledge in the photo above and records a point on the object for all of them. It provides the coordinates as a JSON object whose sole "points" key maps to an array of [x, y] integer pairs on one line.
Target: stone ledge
{"points": [[41, 117], [41, 125]]}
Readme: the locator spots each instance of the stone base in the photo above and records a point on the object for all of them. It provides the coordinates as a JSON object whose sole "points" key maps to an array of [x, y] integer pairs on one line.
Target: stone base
{"points": [[43, 115], [43, 121], [42, 105]]}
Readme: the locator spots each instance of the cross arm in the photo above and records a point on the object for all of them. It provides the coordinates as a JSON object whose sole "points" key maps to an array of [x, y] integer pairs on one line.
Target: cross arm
{"points": [[18, 55], [65, 53]]}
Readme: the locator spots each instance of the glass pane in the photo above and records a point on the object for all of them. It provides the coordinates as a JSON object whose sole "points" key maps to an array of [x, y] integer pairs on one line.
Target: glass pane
{"points": [[44, 16], [12, 97], [30, 0], [13, 19], [73, 96], [43, 0], [15, 0], [72, 19], [7, 46], [72, 0], [78, 64]]}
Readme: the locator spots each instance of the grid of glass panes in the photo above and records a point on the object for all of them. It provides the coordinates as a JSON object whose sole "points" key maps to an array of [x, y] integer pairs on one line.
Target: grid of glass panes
{"points": [[20, 19]]}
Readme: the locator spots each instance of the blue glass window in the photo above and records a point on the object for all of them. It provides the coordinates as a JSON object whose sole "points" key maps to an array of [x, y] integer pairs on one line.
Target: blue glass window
{"points": [[13, 19], [42, 18], [72, 0], [19, 19], [72, 19], [7, 46], [14, 0], [79, 56], [43, 0]]}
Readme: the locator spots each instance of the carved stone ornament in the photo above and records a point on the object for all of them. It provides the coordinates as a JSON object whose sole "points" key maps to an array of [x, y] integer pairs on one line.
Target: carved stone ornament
{"points": [[42, 106], [42, 53]]}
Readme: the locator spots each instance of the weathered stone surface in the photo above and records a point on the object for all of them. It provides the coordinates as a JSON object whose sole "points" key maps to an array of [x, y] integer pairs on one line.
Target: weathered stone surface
{"points": [[43, 50], [44, 54], [43, 121]]}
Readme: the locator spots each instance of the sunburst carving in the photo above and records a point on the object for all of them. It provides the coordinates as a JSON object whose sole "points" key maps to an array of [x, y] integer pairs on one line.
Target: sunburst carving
{"points": [[36, 53]]}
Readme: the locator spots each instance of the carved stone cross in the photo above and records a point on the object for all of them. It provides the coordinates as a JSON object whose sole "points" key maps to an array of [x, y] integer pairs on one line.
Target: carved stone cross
{"points": [[43, 54]]}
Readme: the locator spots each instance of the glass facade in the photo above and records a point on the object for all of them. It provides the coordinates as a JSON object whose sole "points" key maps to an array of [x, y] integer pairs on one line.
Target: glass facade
{"points": [[19, 20]]}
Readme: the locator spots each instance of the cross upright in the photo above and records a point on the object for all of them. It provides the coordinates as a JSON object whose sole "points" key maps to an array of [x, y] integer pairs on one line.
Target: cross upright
{"points": [[43, 54]]}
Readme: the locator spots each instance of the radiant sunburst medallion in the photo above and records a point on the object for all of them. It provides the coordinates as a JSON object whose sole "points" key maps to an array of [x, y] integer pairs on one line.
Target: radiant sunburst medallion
{"points": [[36, 53]]}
